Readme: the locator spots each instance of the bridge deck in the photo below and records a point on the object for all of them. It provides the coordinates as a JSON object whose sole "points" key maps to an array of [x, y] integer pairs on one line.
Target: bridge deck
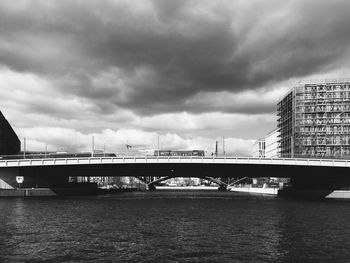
{"points": [[173, 160]]}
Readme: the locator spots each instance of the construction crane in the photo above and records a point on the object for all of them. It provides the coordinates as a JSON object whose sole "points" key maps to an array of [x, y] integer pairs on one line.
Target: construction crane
{"points": [[127, 145]]}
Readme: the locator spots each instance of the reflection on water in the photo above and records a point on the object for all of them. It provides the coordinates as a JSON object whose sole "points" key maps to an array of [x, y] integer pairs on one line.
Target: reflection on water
{"points": [[173, 227]]}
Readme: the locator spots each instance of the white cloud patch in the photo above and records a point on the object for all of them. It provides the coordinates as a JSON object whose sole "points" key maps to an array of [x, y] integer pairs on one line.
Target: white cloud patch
{"points": [[69, 140]]}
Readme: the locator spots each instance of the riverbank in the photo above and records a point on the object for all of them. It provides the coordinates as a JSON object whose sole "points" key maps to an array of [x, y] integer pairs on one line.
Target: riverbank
{"points": [[255, 190], [69, 191], [201, 187]]}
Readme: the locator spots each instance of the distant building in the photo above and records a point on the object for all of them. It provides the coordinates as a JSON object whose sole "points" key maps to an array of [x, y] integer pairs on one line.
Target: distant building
{"points": [[9, 142], [259, 148], [271, 144], [183, 181], [314, 120], [267, 147]]}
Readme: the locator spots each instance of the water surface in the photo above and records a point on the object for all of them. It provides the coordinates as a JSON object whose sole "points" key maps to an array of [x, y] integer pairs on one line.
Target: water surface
{"points": [[177, 226]]}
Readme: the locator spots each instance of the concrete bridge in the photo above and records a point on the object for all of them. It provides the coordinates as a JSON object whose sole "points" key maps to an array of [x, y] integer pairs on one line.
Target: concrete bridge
{"points": [[321, 173]]}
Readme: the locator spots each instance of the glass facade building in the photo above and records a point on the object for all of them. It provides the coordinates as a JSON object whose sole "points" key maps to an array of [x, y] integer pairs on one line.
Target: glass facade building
{"points": [[314, 120]]}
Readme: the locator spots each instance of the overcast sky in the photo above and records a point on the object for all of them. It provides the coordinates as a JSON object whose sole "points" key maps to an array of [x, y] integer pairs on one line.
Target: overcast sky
{"points": [[187, 71]]}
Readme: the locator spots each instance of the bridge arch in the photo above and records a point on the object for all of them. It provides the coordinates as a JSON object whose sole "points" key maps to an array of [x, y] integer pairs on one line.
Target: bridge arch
{"points": [[152, 185]]}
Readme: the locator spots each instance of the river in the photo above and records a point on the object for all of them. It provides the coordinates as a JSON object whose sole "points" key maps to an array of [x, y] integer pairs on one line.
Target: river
{"points": [[173, 226]]}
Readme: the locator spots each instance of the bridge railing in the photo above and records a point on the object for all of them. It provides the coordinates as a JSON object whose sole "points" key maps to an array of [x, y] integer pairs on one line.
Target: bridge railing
{"points": [[171, 159]]}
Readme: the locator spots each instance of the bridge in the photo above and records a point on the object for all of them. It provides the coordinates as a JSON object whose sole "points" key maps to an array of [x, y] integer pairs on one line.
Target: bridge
{"points": [[173, 159], [51, 172]]}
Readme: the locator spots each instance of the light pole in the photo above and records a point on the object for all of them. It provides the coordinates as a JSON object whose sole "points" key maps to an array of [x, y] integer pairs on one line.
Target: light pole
{"points": [[92, 146], [24, 147], [223, 145], [158, 146]]}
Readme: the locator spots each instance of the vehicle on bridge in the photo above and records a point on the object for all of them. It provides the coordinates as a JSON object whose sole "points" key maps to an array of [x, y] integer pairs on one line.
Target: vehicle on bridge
{"points": [[74, 155], [42, 155], [178, 153]]}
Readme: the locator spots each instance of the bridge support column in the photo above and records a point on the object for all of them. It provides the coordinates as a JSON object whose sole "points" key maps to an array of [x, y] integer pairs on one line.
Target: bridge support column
{"points": [[222, 187], [151, 187], [8, 178]]}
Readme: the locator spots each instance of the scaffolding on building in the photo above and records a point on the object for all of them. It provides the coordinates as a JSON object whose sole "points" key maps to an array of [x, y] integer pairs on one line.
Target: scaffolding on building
{"points": [[314, 120]]}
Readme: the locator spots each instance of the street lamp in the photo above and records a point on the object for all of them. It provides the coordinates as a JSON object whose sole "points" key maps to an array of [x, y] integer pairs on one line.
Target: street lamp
{"points": [[92, 146], [24, 147]]}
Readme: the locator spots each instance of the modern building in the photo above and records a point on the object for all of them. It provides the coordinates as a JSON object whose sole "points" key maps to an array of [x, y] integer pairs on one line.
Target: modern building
{"points": [[9, 142], [266, 147], [271, 144], [258, 149], [314, 120]]}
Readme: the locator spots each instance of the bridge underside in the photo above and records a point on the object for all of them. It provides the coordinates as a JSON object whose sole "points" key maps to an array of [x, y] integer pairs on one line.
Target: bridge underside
{"points": [[151, 184], [301, 176]]}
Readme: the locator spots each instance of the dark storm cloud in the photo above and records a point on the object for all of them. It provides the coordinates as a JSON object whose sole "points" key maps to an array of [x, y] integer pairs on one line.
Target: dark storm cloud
{"points": [[153, 56]]}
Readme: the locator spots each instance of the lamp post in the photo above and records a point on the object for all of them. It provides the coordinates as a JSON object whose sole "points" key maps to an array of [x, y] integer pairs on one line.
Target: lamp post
{"points": [[223, 145], [158, 146], [92, 146], [24, 147]]}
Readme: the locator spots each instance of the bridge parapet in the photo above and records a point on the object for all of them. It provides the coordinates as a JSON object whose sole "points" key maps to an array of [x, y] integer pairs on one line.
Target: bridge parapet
{"points": [[173, 160]]}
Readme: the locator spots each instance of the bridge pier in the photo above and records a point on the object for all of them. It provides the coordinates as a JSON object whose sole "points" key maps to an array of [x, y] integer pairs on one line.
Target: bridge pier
{"points": [[8, 178], [222, 188], [151, 187]]}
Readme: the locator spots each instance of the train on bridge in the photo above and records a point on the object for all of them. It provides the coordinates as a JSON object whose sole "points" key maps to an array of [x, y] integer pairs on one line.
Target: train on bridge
{"points": [[54, 155], [178, 153]]}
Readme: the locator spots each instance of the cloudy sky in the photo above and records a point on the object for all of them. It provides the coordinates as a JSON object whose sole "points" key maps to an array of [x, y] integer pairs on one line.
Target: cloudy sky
{"points": [[189, 72]]}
